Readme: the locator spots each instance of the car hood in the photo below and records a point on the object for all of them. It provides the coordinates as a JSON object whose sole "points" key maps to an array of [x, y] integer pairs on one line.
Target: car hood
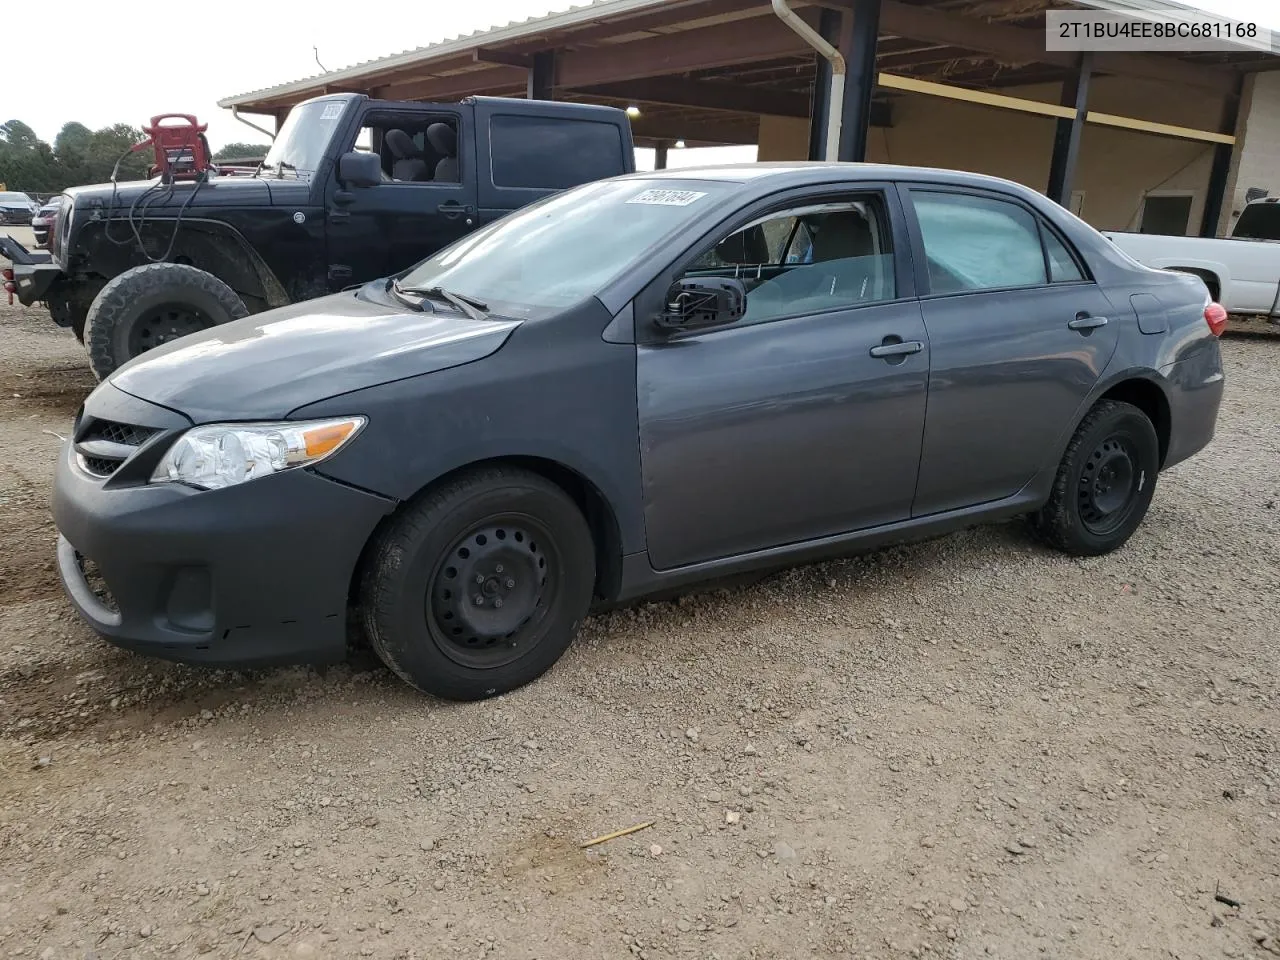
{"points": [[267, 365]]}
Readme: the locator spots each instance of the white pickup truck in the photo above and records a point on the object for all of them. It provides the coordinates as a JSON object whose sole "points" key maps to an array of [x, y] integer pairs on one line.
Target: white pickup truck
{"points": [[1242, 271]]}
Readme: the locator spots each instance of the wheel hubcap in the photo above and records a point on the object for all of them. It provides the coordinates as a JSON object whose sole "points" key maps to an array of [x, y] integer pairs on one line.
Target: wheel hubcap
{"points": [[1109, 486], [164, 324], [491, 591]]}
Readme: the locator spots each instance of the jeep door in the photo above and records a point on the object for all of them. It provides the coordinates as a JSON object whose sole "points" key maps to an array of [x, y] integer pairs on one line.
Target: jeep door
{"points": [[426, 200]]}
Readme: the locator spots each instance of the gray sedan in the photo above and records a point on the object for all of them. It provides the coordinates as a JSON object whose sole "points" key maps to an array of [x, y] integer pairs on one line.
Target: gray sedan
{"points": [[631, 386]]}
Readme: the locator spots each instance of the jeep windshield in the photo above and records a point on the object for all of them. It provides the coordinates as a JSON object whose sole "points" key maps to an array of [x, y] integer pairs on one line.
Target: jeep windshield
{"points": [[566, 248], [304, 139]]}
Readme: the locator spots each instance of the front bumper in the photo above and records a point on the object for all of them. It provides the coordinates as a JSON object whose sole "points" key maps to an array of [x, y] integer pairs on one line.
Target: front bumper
{"points": [[35, 280], [255, 574]]}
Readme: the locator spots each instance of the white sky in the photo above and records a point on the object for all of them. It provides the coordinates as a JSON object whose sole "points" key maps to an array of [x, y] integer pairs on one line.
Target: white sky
{"points": [[73, 64]]}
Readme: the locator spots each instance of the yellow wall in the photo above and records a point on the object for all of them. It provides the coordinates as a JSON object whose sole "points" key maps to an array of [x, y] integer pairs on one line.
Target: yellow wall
{"points": [[1115, 169]]}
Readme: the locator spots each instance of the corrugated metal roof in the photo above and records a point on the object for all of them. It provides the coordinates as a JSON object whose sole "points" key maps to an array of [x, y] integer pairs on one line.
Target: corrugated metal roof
{"points": [[515, 30]]}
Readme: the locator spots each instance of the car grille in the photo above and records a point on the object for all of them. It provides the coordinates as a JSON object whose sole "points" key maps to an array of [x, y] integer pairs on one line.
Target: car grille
{"points": [[106, 445]]}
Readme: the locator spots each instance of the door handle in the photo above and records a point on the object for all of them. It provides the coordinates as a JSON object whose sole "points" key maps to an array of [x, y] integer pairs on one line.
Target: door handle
{"points": [[900, 348], [1085, 322], [453, 209]]}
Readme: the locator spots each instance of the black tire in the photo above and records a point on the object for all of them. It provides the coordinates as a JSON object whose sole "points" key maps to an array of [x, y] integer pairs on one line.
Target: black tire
{"points": [[1104, 484], [498, 534], [150, 305]]}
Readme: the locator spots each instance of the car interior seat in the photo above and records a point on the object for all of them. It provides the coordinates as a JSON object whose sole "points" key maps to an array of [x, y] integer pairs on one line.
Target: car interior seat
{"points": [[408, 164], [444, 141]]}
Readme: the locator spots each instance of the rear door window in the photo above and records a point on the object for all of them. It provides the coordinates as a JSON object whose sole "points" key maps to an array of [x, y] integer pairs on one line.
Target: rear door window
{"points": [[549, 152], [976, 242]]}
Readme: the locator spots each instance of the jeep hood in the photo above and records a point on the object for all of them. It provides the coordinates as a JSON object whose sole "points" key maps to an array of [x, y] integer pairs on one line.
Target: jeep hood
{"points": [[215, 192], [265, 366]]}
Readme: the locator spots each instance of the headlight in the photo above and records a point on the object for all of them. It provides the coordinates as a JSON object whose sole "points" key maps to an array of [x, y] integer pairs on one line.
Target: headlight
{"points": [[220, 455]]}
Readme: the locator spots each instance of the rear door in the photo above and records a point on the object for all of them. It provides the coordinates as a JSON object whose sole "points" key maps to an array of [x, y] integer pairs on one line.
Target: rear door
{"points": [[529, 150], [377, 231], [1019, 334]]}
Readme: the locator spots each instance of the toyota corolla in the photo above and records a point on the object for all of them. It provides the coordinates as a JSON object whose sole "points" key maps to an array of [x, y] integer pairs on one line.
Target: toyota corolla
{"points": [[630, 386]]}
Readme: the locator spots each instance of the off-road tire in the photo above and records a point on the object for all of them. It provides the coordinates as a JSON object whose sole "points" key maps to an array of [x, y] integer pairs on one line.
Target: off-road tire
{"points": [[136, 293], [1063, 522], [409, 559]]}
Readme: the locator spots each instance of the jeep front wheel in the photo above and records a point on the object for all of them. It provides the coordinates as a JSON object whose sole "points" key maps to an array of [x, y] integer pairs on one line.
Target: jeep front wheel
{"points": [[151, 305]]}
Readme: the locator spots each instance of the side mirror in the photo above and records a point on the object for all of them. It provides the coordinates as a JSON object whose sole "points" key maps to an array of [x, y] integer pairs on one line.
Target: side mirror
{"points": [[358, 169], [697, 302]]}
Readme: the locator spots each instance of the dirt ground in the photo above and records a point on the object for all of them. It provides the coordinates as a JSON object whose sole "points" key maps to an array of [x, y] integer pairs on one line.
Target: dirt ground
{"points": [[967, 748]]}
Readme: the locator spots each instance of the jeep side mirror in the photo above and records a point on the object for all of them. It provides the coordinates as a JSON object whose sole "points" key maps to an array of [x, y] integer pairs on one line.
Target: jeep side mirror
{"points": [[697, 302], [358, 169]]}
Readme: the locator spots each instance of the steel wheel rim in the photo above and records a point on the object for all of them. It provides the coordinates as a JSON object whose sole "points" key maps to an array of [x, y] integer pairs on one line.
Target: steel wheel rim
{"points": [[488, 596], [1109, 486], [161, 325]]}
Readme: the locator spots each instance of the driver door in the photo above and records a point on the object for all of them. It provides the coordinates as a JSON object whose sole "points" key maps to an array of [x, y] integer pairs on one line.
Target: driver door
{"points": [[794, 423], [381, 230]]}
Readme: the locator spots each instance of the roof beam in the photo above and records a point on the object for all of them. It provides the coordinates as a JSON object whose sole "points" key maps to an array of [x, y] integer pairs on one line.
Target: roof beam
{"points": [[1016, 45], [745, 131], [723, 45], [460, 85], [706, 95], [485, 55]]}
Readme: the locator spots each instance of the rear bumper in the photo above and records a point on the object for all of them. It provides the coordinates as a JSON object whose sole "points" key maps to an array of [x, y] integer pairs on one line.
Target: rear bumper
{"points": [[1195, 388], [255, 574]]}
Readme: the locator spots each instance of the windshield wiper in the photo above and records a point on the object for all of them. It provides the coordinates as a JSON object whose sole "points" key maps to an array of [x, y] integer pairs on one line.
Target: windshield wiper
{"points": [[473, 308]]}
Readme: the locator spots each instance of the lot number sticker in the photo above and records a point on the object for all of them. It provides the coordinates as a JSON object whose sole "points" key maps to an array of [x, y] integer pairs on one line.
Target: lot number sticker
{"points": [[332, 111], [667, 198]]}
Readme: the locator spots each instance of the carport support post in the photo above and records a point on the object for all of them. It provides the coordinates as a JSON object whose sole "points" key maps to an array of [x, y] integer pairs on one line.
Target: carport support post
{"points": [[858, 45], [542, 76], [660, 155], [1066, 137], [829, 28], [1220, 172]]}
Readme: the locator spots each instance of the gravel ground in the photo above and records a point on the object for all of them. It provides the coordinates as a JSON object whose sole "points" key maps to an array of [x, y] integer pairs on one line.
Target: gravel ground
{"points": [[970, 747]]}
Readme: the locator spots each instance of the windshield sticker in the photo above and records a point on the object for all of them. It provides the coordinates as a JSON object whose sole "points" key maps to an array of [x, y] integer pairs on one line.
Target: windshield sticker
{"points": [[332, 111], [667, 198]]}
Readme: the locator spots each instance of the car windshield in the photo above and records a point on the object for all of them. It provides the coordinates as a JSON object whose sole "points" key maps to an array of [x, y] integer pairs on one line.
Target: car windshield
{"points": [[17, 199], [561, 250], [1259, 221], [302, 141]]}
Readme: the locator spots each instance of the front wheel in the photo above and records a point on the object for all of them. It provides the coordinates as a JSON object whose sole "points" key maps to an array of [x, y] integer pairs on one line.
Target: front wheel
{"points": [[1104, 483], [479, 587], [151, 305]]}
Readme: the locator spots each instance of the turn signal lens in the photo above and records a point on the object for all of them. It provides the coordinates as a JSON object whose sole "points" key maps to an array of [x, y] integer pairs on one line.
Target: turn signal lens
{"points": [[319, 441], [1215, 314]]}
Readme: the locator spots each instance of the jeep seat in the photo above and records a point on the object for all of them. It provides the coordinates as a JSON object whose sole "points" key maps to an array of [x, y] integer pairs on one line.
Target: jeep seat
{"points": [[408, 164], [444, 141]]}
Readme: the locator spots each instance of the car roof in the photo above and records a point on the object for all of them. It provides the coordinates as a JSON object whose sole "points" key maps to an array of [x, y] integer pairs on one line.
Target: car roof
{"points": [[801, 172]]}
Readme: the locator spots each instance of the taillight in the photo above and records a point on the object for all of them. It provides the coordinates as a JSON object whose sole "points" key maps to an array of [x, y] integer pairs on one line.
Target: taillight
{"points": [[1215, 315], [9, 286]]}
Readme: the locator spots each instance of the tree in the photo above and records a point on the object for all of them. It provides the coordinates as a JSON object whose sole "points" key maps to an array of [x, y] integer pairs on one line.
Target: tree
{"points": [[18, 134], [238, 151], [26, 163]]}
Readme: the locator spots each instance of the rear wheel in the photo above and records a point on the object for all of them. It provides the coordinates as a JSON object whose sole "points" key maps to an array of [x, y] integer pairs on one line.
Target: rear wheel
{"points": [[152, 305], [1104, 483], [479, 587]]}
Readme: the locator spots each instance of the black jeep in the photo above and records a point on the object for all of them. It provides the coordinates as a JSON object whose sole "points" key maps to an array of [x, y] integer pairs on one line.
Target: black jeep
{"points": [[352, 190]]}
